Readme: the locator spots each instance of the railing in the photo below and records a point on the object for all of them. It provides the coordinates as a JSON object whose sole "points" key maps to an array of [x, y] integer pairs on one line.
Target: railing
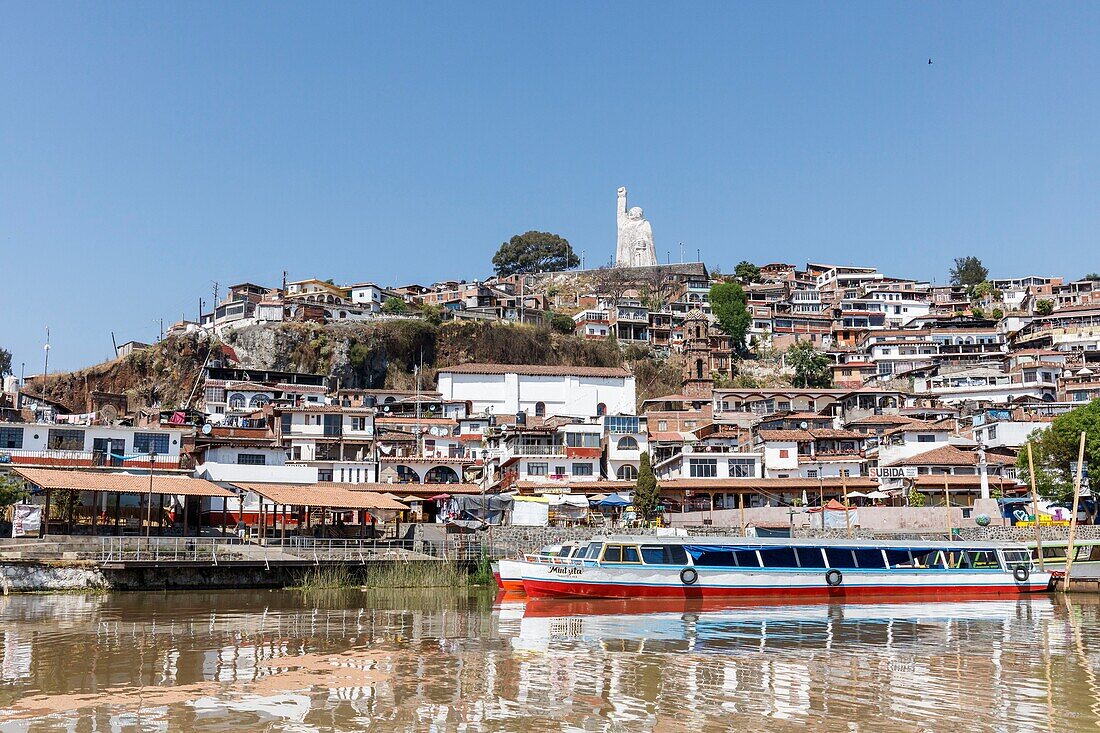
{"points": [[54, 457], [169, 549], [223, 550], [538, 450]]}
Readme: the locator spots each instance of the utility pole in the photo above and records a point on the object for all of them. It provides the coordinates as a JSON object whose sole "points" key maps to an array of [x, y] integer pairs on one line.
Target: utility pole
{"points": [[46, 348], [681, 253]]}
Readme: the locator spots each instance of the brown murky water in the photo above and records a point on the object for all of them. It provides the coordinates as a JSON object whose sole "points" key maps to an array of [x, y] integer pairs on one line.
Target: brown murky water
{"points": [[283, 661]]}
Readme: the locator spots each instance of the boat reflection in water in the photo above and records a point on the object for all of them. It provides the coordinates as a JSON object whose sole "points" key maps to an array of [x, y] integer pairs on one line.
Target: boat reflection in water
{"points": [[727, 625]]}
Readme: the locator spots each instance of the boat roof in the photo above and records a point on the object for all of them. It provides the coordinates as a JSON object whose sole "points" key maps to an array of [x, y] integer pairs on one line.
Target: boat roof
{"points": [[762, 542]]}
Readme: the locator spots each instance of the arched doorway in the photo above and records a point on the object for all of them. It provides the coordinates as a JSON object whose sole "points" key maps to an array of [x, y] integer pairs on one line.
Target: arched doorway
{"points": [[441, 475]]}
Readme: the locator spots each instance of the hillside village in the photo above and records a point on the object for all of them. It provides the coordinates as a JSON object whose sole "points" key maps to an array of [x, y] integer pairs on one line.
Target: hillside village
{"points": [[843, 379]]}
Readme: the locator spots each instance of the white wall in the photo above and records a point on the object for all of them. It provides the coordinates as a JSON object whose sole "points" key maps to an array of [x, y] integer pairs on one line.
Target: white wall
{"points": [[565, 395]]}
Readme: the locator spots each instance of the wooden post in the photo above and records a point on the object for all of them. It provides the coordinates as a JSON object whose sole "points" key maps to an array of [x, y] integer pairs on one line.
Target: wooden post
{"points": [[1073, 516], [1035, 507], [95, 511], [46, 515], [947, 504], [185, 516], [847, 512], [283, 533], [742, 504], [225, 513], [160, 514], [118, 511]]}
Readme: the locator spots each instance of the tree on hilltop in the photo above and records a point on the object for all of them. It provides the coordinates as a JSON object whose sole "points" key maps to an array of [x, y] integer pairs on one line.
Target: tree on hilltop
{"points": [[968, 271], [534, 252], [747, 272], [5, 362]]}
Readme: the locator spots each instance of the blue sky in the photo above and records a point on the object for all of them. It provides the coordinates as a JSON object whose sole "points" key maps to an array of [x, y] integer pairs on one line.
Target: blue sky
{"points": [[148, 149]]}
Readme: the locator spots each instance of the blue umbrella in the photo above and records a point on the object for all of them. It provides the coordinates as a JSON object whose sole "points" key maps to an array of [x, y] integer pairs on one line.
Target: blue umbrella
{"points": [[615, 500]]}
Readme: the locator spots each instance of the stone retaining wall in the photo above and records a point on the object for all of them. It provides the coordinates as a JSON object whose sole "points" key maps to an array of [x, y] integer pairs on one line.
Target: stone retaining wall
{"points": [[29, 577]]}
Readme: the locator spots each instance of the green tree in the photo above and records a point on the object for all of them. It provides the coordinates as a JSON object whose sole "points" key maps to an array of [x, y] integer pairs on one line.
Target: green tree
{"points": [[747, 272], [645, 489], [12, 490], [977, 312], [562, 323], [432, 313], [1044, 307], [811, 367], [968, 271], [5, 362], [728, 303], [534, 252], [997, 314], [1056, 447], [394, 307], [985, 289], [1092, 276]]}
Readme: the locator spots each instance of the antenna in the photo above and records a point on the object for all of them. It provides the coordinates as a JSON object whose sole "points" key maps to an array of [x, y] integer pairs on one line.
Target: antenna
{"points": [[46, 348]]}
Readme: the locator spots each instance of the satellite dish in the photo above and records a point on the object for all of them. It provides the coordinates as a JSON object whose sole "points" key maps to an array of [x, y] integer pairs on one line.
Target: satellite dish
{"points": [[207, 428], [803, 425], [431, 408], [385, 408]]}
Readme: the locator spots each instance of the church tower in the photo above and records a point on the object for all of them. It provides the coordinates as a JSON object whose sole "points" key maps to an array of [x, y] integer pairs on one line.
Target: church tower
{"points": [[697, 381]]}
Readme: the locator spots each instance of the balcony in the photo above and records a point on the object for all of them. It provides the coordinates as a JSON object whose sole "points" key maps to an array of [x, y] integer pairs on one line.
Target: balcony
{"points": [[537, 450], [82, 459]]}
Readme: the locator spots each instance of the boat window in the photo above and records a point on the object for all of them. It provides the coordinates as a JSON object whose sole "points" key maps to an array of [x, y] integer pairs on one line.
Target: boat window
{"points": [[664, 555], [613, 553], [1017, 557], [778, 557], [592, 551], [840, 557], [927, 559], [810, 557], [630, 554], [899, 558], [676, 555], [978, 560], [869, 559], [727, 558]]}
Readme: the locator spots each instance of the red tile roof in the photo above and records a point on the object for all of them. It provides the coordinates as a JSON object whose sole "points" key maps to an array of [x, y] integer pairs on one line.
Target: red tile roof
{"points": [[950, 455]]}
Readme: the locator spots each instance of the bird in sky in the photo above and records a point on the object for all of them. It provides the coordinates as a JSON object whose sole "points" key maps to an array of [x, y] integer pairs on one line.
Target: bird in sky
{"points": [[929, 62]]}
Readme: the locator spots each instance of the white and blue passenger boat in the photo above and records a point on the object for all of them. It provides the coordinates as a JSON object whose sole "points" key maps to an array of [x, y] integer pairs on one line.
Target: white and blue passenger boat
{"points": [[629, 566]]}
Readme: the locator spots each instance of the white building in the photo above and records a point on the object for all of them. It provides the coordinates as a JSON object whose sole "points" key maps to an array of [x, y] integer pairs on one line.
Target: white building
{"points": [[540, 391]]}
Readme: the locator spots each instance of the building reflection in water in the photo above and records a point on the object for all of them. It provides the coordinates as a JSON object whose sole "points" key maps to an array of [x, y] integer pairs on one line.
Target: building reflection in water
{"points": [[285, 661]]}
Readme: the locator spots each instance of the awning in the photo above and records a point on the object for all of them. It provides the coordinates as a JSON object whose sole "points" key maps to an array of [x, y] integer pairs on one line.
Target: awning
{"points": [[324, 496], [120, 483], [615, 500]]}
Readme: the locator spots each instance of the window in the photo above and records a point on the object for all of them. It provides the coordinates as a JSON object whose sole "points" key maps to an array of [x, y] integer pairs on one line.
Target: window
{"points": [[559, 470], [324, 474], [623, 424], [251, 459], [784, 453], [150, 443], [359, 423], [582, 469], [742, 468], [538, 469], [11, 437], [627, 473], [540, 409], [811, 473], [285, 421], [627, 443], [66, 440], [582, 440], [613, 553], [601, 409], [258, 401], [926, 438], [214, 394], [703, 467], [236, 401], [662, 425], [333, 424]]}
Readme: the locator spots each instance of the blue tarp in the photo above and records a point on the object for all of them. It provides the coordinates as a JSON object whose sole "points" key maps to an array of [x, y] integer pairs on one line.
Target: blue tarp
{"points": [[614, 500]]}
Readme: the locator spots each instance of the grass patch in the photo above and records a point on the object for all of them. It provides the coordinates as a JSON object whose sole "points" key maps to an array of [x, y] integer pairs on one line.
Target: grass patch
{"points": [[385, 576]]}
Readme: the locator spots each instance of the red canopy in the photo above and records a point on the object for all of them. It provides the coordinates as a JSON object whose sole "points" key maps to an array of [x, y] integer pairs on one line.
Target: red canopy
{"points": [[439, 497], [834, 506]]}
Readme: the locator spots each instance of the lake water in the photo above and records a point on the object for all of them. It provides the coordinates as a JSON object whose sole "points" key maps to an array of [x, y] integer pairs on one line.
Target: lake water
{"points": [[441, 661]]}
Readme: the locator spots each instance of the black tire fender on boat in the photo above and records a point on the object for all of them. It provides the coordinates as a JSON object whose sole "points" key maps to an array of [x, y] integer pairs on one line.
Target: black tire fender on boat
{"points": [[689, 576], [1021, 573], [834, 577]]}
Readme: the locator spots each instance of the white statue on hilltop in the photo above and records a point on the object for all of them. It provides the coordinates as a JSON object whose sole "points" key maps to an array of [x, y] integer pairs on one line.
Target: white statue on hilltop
{"points": [[634, 246]]}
